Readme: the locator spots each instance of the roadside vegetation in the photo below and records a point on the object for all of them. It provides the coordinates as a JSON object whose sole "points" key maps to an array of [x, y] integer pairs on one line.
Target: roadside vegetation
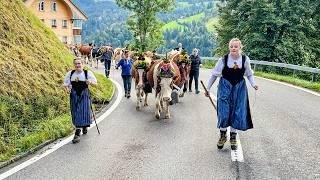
{"points": [[33, 62]]}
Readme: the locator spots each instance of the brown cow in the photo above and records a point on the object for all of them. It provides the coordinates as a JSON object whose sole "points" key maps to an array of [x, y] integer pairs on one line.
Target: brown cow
{"points": [[163, 86], [117, 54], [141, 84], [86, 52], [184, 69]]}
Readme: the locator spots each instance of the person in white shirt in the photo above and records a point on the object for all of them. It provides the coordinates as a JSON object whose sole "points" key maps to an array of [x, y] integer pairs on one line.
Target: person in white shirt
{"points": [[76, 83], [232, 97]]}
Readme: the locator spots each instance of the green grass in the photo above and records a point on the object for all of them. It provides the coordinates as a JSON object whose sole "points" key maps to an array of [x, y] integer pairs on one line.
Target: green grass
{"points": [[176, 24], [45, 130], [172, 25], [315, 86], [184, 4], [189, 19], [33, 62], [208, 64]]}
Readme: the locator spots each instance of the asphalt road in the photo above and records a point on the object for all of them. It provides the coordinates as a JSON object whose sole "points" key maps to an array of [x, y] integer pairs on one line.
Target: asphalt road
{"points": [[284, 143]]}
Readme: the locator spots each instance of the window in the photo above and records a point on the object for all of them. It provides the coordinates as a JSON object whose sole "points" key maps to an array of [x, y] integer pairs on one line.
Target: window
{"points": [[64, 23], [54, 6], [53, 23], [65, 39], [77, 39], [41, 6], [77, 24]]}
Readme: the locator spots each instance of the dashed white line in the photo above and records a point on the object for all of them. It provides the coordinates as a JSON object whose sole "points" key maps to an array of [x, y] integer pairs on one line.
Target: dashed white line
{"points": [[65, 141], [236, 155]]}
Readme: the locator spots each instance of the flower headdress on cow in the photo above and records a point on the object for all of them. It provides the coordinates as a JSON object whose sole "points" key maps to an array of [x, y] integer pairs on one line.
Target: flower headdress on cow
{"points": [[166, 69], [141, 63], [183, 58]]}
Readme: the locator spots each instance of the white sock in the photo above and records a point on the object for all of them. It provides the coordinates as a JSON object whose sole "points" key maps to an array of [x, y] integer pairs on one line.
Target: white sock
{"points": [[233, 130]]}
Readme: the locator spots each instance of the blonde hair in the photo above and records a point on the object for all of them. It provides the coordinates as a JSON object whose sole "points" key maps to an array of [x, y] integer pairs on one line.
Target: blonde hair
{"points": [[240, 43], [78, 58]]}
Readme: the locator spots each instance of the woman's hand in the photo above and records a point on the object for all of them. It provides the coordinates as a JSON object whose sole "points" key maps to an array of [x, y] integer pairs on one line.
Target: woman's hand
{"points": [[68, 90], [92, 83], [255, 87]]}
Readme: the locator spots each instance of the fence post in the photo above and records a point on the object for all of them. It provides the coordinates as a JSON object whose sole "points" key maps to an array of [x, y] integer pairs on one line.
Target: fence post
{"points": [[313, 77], [294, 73], [254, 67]]}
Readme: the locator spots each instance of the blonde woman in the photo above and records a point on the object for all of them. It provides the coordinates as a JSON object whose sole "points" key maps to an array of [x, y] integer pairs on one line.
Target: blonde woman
{"points": [[233, 103]]}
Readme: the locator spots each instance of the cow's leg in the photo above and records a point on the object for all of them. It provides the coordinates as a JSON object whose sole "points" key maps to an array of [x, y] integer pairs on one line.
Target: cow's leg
{"points": [[139, 99], [167, 112], [91, 61], [97, 62], [158, 107], [146, 100]]}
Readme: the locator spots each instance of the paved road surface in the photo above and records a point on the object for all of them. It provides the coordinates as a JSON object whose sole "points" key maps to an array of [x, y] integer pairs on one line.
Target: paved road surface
{"points": [[284, 143]]}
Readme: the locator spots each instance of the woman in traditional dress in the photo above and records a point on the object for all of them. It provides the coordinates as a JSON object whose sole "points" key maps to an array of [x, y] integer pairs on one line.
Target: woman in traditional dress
{"points": [[76, 83], [233, 104]]}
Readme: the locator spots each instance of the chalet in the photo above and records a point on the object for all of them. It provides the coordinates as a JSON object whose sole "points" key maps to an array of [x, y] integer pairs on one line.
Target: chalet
{"points": [[62, 16]]}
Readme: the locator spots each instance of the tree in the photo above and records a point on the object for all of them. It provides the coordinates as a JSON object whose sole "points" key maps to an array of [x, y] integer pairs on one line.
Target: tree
{"points": [[273, 30], [143, 22]]}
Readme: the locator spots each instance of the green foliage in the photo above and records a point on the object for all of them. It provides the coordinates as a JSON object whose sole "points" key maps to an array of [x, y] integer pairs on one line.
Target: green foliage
{"points": [[172, 25], [143, 23], [190, 19], [208, 64], [188, 26], [212, 23], [272, 30], [33, 63], [107, 25]]}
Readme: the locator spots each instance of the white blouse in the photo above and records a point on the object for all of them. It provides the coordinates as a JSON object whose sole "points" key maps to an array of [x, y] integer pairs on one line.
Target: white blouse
{"points": [[80, 76], [217, 70]]}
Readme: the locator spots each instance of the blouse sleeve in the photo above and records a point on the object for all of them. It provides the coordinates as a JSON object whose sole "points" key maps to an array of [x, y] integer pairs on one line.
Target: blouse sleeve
{"points": [[216, 72], [92, 78], [247, 65], [67, 81], [249, 72]]}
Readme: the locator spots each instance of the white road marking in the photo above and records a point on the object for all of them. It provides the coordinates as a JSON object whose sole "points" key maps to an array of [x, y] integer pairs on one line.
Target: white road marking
{"points": [[237, 155], [290, 85], [65, 141]]}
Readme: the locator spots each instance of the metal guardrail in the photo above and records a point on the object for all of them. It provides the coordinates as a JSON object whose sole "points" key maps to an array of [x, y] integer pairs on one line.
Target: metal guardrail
{"points": [[314, 71]]}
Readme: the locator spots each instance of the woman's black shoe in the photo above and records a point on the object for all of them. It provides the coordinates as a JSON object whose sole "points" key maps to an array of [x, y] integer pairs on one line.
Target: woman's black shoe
{"points": [[84, 130]]}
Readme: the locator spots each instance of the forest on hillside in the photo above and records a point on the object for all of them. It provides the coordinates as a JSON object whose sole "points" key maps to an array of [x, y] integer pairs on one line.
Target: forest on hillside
{"points": [[107, 24]]}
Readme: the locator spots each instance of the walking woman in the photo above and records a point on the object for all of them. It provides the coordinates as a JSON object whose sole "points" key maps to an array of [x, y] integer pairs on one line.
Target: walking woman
{"points": [[76, 83], [126, 66], [233, 104]]}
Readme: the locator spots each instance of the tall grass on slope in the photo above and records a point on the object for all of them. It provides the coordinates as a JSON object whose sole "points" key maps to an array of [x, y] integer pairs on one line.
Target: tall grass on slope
{"points": [[33, 63]]}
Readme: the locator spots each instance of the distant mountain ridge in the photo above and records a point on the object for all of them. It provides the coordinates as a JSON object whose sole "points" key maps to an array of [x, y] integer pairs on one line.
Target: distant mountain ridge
{"points": [[107, 24]]}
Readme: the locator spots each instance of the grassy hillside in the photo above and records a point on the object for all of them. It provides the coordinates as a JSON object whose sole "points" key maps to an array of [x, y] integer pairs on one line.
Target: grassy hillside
{"points": [[33, 63], [189, 19], [177, 24]]}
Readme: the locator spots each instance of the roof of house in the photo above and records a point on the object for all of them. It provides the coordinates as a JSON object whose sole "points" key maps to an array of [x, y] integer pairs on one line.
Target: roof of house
{"points": [[73, 7]]}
